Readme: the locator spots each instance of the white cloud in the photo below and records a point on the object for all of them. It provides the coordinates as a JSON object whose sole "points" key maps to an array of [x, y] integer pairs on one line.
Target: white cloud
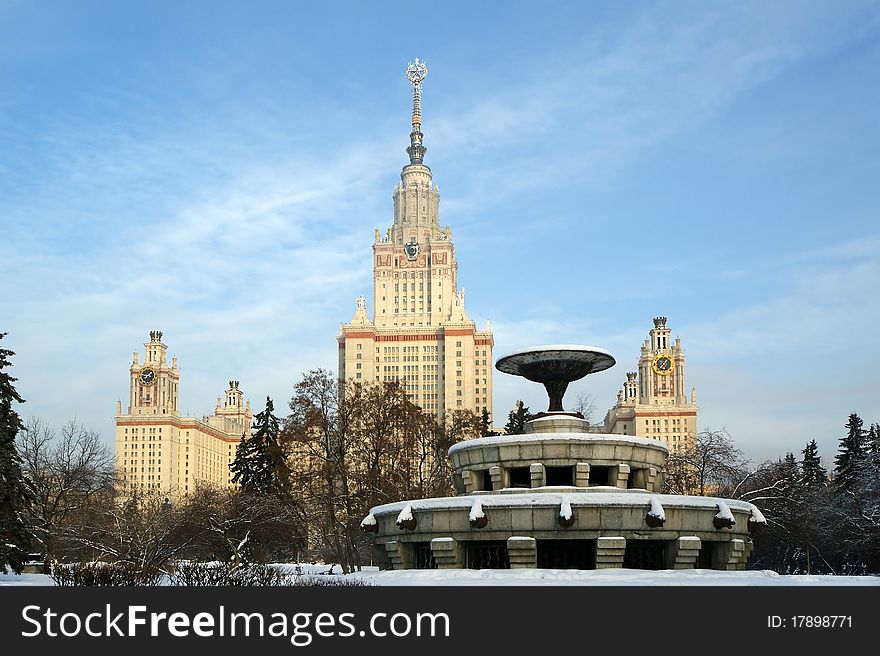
{"points": [[247, 243]]}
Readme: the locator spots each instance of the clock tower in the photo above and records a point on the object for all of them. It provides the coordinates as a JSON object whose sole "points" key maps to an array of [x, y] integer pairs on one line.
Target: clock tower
{"points": [[653, 401], [160, 452], [420, 334], [154, 384]]}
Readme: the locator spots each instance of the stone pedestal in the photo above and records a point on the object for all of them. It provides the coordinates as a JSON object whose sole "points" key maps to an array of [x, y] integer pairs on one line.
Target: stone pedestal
{"points": [[447, 553], [522, 552], [558, 423], [684, 552], [732, 555], [538, 474], [582, 474], [609, 553], [645, 479], [497, 476], [750, 547], [399, 556], [622, 476]]}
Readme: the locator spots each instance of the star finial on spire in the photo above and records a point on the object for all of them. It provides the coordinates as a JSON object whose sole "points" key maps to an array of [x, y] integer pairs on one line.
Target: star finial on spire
{"points": [[416, 72]]}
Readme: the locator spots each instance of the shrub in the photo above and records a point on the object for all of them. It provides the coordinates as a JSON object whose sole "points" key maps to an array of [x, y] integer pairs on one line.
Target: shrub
{"points": [[103, 574]]}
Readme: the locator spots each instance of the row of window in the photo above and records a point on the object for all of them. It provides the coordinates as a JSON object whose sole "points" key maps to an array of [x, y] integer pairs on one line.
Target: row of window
{"points": [[398, 288], [676, 421], [416, 274], [144, 431]]}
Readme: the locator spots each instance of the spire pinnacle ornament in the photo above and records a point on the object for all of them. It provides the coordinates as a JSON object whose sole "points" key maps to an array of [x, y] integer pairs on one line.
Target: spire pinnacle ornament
{"points": [[416, 72]]}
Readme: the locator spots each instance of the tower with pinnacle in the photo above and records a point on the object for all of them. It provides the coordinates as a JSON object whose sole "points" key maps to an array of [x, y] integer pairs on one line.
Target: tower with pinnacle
{"points": [[419, 333], [654, 401]]}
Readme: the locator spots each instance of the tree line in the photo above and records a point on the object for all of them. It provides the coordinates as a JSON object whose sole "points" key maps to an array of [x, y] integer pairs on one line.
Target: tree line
{"points": [[819, 521], [305, 481]]}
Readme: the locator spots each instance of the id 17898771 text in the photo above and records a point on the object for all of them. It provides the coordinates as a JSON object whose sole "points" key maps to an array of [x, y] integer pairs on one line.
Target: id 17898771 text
{"points": [[809, 622]]}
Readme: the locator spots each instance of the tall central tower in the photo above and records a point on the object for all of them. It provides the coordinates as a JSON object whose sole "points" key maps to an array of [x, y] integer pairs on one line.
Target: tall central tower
{"points": [[420, 333]]}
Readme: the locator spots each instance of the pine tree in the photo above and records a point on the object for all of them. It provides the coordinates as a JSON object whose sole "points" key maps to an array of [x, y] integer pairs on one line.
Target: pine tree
{"points": [[812, 471], [873, 446], [517, 418], [486, 424], [14, 491], [241, 466], [851, 456], [260, 464], [789, 472]]}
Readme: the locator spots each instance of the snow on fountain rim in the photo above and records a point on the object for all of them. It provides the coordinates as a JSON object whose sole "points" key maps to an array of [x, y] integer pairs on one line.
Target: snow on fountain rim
{"points": [[590, 497], [557, 347], [603, 438]]}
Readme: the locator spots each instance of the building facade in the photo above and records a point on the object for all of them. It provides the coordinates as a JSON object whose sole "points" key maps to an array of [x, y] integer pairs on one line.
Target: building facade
{"points": [[420, 333], [160, 452], [653, 401]]}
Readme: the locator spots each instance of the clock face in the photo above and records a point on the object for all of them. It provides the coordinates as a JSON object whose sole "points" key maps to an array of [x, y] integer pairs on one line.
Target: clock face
{"points": [[412, 250], [663, 364], [147, 376]]}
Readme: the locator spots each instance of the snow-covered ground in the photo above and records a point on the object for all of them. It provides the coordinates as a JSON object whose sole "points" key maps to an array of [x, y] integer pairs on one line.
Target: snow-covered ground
{"points": [[611, 577], [550, 577]]}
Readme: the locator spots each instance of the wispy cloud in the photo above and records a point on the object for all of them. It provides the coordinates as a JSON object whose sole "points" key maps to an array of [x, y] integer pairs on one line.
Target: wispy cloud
{"points": [[581, 113], [238, 218]]}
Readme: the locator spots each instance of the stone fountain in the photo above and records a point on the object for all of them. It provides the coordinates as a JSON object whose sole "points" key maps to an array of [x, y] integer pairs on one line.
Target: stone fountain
{"points": [[561, 497]]}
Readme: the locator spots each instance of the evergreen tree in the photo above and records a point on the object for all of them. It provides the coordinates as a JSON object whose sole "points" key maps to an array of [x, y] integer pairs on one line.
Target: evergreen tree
{"points": [[855, 504], [486, 424], [260, 464], [14, 491], [241, 466], [517, 418], [873, 446], [812, 471], [851, 456]]}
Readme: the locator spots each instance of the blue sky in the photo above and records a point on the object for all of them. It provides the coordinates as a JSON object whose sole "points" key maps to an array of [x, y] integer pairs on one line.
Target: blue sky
{"points": [[216, 171]]}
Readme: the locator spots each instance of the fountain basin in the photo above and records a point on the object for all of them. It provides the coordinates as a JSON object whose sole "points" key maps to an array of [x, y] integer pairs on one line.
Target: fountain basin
{"points": [[687, 536]]}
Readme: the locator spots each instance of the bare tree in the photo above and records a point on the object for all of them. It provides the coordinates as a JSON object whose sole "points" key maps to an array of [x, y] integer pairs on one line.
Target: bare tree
{"points": [[320, 433], [585, 404], [66, 471], [146, 531], [357, 445], [710, 465], [237, 527]]}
